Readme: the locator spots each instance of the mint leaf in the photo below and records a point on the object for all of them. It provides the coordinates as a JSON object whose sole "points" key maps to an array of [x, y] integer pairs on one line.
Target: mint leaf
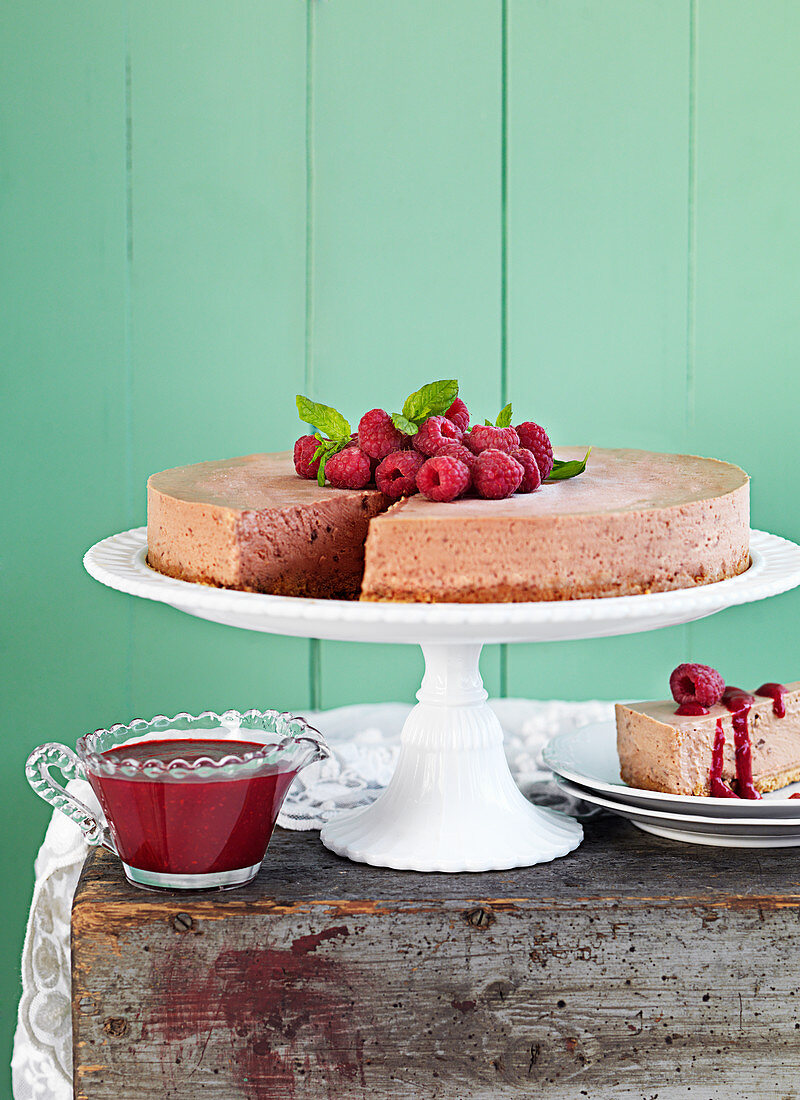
{"points": [[431, 400], [327, 449], [504, 417], [563, 470], [325, 419], [404, 425], [488, 423]]}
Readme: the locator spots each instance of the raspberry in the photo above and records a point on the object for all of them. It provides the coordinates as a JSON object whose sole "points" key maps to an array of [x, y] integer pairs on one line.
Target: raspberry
{"points": [[497, 474], [377, 435], [696, 684], [459, 451], [537, 440], [459, 414], [484, 436], [532, 479], [397, 474], [434, 433], [304, 450], [443, 478], [349, 469]]}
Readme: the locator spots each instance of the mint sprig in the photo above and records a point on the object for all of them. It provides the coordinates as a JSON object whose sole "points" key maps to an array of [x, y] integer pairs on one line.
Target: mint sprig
{"points": [[562, 471], [327, 449], [322, 417], [503, 418], [329, 423], [434, 399], [403, 424]]}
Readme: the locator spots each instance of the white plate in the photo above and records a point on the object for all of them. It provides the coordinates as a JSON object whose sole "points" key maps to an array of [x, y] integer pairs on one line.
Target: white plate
{"points": [[120, 562], [692, 829], [588, 758]]}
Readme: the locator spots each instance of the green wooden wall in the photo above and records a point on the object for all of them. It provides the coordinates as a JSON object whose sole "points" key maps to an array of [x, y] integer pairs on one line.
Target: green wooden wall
{"points": [[586, 206]]}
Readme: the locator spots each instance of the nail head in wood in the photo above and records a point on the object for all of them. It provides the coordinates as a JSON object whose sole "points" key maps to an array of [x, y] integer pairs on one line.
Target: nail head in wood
{"points": [[479, 917]]}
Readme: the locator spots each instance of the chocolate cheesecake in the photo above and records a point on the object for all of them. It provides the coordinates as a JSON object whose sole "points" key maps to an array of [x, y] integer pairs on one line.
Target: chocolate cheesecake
{"points": [[660, 750], [633, 522]]}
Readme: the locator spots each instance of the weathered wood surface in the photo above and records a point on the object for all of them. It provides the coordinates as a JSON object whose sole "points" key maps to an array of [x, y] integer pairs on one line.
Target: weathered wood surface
{"points": [[636, 967]]}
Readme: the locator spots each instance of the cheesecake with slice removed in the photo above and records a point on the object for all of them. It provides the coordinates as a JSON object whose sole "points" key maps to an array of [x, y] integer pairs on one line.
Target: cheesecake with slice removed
{"points": [[743, 739], [634, 522]]}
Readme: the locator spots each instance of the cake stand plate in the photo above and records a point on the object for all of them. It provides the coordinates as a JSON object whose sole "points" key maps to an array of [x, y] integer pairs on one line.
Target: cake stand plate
{"points": [[452, 804]]}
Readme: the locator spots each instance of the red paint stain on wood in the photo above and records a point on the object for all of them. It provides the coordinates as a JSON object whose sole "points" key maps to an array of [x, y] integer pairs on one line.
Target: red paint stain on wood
{"points": [[305, 944], [283, 1011]]}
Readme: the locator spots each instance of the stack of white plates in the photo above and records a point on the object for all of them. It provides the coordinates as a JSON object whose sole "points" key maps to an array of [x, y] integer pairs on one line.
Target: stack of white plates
{"points": [[586, 766]]}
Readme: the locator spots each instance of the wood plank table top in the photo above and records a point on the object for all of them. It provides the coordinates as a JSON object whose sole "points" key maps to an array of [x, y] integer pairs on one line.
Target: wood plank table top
{"points": [[635, 967]]}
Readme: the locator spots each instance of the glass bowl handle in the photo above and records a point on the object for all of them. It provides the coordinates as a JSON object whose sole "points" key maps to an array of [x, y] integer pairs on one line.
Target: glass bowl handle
{"points": [[37, 771]]}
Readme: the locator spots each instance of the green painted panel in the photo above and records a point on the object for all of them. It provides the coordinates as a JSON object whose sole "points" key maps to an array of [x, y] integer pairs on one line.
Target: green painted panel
{"points": [[62, 349], [217, 299], [598, 166], [747, 323], [406, 220]]}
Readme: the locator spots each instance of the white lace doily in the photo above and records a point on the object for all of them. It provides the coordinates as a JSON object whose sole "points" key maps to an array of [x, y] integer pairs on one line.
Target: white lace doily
{"points": [[365, 744]]}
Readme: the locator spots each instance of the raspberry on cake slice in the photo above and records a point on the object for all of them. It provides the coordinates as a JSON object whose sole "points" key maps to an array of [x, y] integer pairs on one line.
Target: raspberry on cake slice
{"points": [[739, 745]]}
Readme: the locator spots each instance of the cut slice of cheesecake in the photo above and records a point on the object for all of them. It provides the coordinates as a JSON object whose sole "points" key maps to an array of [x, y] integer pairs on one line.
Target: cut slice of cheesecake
{"points": [[660, 750]]}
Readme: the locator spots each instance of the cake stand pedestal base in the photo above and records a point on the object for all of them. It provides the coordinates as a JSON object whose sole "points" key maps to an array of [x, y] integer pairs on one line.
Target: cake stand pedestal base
{"points": [[452, 804]]}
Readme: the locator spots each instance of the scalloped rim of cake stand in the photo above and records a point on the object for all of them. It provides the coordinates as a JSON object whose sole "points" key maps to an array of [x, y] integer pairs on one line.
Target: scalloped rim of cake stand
{"points": [[120, 563]]}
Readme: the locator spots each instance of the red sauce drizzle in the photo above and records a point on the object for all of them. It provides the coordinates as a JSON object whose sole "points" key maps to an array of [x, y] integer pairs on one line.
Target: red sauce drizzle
{"points": [[692, 708], [739, 703], [717, 788], [776, 693], [795, 795]]}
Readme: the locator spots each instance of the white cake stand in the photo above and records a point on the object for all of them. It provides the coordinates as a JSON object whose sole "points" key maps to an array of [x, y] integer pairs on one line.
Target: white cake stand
{"points": [[452, 804]]}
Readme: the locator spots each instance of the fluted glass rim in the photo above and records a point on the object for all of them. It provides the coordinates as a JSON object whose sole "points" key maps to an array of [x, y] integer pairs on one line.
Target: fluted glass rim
{"points": [[294, 742]]}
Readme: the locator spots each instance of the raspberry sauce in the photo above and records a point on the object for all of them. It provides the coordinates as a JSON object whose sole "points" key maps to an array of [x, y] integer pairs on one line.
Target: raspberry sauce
{"points": [[718, 788], [185, 824], [777, 693], [739, 703], [694, 709]]}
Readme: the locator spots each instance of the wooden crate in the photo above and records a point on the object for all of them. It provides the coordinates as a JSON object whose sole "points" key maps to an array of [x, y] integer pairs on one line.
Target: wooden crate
{"points": [[636, 967]]}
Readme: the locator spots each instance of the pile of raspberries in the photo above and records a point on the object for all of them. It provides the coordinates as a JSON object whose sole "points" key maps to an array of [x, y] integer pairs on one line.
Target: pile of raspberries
{"points": [[443, 461]]}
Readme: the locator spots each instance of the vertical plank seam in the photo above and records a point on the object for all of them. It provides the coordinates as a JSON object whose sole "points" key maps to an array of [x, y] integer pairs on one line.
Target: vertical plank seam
{"points": [[691, 265], [128, 341], [504, 257], [691, 257], [314, 649], [504, 207]]}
